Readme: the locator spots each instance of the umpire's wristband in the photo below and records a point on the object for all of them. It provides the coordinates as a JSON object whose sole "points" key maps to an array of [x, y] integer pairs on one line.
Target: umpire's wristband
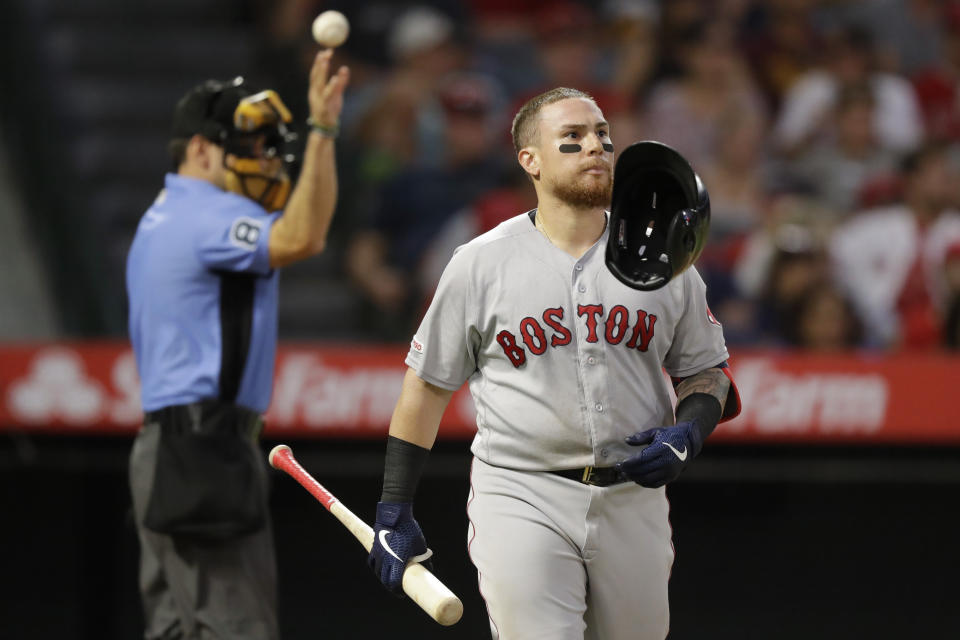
{"points": [[327, 131], [402, 468]]}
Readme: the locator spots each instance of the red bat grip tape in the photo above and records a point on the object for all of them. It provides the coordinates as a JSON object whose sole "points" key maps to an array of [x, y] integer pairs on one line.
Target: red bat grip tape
{"points": [[282, 458]]}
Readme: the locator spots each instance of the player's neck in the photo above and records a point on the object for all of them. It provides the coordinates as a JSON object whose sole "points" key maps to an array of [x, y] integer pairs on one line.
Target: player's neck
{"points": [[573, 230]]}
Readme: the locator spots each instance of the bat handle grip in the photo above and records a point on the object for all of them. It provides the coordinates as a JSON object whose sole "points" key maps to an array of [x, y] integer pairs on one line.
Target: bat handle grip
{"points": [[281, 457], [423, 587]]}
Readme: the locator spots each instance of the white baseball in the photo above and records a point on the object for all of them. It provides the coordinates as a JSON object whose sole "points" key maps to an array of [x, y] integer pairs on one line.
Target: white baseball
{"points": [[330, 29]]}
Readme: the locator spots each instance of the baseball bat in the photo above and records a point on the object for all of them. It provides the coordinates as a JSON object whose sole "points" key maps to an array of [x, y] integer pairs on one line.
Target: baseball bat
{"points": [[423, 587]]}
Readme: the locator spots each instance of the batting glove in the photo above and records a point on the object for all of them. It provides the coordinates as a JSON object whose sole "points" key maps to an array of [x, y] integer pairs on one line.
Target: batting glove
{"points": [[668, 451], [397, 542]]}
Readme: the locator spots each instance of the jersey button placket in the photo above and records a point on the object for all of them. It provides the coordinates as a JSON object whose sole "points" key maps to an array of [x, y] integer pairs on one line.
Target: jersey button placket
{"points": [[592, 374]]}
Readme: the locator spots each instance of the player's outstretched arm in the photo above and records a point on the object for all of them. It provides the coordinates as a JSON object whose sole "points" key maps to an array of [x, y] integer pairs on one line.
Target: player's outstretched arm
{"points": [[302, 229], [398, 539], [668, 450]]}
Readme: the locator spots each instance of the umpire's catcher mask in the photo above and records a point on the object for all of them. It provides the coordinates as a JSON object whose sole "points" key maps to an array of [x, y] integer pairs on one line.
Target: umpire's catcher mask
{"points": [[659, 216], [250, 126]]}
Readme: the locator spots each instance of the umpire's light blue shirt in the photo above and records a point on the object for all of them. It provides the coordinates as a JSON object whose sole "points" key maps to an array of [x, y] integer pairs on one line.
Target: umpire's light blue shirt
{"points": [[203, 298]]}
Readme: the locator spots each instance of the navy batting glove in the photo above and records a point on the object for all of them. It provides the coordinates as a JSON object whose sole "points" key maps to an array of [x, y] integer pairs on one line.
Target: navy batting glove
{"points": [[397, 540], [668, 451]]}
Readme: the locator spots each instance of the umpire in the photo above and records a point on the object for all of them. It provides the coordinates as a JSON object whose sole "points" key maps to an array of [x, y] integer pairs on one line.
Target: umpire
{"points": [[202, 284]]}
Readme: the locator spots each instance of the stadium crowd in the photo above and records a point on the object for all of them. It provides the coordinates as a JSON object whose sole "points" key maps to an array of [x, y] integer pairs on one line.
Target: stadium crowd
{"points": [[825, 131]]}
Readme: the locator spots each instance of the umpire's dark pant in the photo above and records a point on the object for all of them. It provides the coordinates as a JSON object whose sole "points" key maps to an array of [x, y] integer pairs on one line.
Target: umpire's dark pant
{"points": [[201, 590]]}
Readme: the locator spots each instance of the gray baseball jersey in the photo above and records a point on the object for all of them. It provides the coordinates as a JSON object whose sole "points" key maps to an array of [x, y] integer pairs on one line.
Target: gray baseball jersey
{"points": [[564, 362]]}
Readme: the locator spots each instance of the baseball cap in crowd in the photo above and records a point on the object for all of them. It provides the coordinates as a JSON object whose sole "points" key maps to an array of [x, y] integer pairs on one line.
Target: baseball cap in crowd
{"points": [[562, 20], [418, 29], [642, 10], [468, 94], [952, 15]]}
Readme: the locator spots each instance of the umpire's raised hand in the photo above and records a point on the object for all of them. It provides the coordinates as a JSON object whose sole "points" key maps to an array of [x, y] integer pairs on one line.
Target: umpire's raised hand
{"points": [[326, 95]]}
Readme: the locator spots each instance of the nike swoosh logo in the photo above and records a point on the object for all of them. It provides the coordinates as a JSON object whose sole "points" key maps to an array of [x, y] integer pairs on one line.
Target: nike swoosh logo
{"points": [[383, 543], [680, 454]]}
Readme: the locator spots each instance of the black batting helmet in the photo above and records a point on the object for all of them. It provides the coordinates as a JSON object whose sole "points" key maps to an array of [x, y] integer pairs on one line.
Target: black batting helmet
{"points": [[659, 216]]}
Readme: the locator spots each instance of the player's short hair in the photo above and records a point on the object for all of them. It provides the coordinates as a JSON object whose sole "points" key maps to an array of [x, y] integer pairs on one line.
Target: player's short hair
{"points": [[525, 122]]}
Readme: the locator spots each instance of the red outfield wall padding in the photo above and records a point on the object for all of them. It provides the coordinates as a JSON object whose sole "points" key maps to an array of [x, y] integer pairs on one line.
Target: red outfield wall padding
{"points": [[349, 391]]}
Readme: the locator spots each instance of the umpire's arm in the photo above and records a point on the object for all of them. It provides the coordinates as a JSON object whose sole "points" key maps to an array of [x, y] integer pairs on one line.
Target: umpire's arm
{"points": [[302, 229]]}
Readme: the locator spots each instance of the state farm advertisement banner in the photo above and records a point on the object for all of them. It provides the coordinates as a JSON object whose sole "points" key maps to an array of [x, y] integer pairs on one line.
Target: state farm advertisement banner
{"points": [[349, 391]]}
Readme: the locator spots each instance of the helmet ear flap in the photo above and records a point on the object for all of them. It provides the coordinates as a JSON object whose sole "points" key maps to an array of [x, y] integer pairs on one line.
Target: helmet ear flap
{"points": [[682, 240]]}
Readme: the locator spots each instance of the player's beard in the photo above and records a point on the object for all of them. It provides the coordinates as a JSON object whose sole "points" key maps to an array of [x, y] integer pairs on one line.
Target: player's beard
{"points": [[586, 192]]}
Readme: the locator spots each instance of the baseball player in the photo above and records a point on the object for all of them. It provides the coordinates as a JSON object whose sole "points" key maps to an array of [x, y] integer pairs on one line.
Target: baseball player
{"points": [[563, 320], [202, 279]]}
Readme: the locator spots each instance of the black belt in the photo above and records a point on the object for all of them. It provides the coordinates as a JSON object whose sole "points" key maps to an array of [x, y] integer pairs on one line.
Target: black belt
{"points": [[593, 476], [207, 416]]}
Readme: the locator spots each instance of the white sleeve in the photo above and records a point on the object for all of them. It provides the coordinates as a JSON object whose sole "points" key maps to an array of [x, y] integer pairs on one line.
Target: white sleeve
{"points": [[444, 350], [899, 119], [806, 101], [698, 338], [868, 279]]}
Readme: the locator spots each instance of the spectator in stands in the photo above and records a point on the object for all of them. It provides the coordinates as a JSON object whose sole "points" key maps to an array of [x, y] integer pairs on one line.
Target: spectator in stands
{"points": [[202, 278], [630, 33], [736, 179], [838, 168], [569, 53], [397, 120], [415, 205], [685, 112], [780, 44], [890, 260], [565, 33], [951, 272], [676, 20], [848, 59], [771, 267], [938, 85], [799, 264], [503, 42], [908, 33], [821, 318]]}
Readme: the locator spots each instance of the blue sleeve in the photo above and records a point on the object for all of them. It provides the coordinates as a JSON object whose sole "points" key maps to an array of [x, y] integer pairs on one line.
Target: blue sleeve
{"points": [[237, 239]]}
